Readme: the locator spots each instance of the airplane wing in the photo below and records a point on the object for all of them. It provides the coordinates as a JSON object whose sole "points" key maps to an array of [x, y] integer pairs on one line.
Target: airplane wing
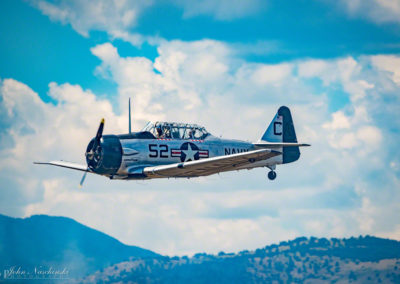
{"points": [[205, 167], [65, 164]]}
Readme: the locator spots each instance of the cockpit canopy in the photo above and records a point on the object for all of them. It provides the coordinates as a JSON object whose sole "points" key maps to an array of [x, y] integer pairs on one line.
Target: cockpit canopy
{"points": [[174, 130]]}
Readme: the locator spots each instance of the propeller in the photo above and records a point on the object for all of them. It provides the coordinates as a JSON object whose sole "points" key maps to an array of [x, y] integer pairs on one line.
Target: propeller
{"points": [[95, 151], [83, 178], [100, 131]]}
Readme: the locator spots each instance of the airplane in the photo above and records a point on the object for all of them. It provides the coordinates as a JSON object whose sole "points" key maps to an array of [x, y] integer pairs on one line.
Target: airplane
{"points": [[183, 150]]}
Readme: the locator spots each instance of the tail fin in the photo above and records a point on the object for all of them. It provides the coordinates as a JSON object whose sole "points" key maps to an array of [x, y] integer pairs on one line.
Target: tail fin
{"points": [[280, 130]]}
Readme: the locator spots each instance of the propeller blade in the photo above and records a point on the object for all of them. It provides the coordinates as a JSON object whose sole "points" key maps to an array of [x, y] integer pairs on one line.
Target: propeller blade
{"points": [[83, 179], [100, 130]]}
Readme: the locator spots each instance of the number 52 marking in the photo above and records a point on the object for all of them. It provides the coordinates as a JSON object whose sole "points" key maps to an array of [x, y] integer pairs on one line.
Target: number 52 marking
{"points": [[158, 151]]}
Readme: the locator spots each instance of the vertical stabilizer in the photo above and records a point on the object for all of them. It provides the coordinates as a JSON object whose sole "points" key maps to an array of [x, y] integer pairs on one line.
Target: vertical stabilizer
{"points": [[274, 130], [281, 129]]}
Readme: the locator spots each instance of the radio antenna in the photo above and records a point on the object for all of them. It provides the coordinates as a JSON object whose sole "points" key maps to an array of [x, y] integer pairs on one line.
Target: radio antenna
{"points": [[130, 116]]}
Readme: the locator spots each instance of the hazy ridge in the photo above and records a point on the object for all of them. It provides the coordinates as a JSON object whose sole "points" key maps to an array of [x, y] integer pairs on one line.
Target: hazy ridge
{"points": [[354, 260], [92, 256], [59, 242]]}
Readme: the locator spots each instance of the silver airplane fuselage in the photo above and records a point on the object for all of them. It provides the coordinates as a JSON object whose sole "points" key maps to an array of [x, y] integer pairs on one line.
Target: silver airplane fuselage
{"points": [[139, 153]]}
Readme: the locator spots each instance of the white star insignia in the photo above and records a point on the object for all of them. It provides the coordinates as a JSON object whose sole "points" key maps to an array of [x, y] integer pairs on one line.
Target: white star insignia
{"points": [[189, 154]]}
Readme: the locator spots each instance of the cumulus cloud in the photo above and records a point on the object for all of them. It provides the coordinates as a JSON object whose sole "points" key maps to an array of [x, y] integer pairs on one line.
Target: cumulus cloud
{"points": [[120, 18], [33, 130], [353, 132], [345, 71], [379, 11], [339, 120], [328, 192], [268, 74], [390, 64], [221, 10], [117, 18]]}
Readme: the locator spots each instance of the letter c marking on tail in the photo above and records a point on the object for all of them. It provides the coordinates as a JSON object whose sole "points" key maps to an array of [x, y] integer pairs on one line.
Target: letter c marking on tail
{"points": [[276, 132]]}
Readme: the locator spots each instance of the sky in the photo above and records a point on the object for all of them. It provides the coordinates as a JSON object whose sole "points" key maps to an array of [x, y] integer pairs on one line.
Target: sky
{"points": [[227, 65]]}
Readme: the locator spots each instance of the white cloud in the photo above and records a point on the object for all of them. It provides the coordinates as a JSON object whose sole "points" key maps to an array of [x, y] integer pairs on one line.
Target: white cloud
{"points": [[389, 63], [172, 226], [370, 135], [379, 11], [353, 132], [312, 68], [339, 120], [365, 216], [346, 71], [221, 10], [42, 131], [117, 18], [267, 74], [204, 82]]}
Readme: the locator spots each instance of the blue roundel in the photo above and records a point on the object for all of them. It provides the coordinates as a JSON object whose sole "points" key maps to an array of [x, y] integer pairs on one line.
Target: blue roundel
{"points": [[189, 152]]}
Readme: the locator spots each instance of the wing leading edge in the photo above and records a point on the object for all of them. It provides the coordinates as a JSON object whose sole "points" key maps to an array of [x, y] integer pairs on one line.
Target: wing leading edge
{"points": [[67, 165], [205, 167]]}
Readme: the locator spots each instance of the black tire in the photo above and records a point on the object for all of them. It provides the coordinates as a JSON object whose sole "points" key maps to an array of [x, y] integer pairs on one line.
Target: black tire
{"points": [[272, 175]]}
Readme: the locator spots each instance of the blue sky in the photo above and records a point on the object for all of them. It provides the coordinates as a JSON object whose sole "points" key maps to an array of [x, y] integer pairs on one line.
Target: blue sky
{"points": [[275, 32], [66, 64], [36, 51]]}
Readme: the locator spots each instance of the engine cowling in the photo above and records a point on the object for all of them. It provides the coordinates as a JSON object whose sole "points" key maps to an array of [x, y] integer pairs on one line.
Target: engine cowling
{"points": [[105, 157]]}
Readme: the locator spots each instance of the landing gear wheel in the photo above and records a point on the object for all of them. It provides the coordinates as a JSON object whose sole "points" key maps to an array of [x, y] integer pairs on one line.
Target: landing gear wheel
{"points": [[272, 175]]}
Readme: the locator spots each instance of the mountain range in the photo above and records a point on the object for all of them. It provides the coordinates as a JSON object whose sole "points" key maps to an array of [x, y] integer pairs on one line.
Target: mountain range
{"points": [[302, 260], [60, 242], [94, 257]]}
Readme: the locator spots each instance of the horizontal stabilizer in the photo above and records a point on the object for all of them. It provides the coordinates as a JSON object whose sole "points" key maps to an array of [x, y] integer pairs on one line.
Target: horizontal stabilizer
{"points": [[65, 164], [271, 145]]}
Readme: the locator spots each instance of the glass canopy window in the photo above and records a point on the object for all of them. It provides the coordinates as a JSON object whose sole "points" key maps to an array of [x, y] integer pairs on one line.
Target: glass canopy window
{"points": [[175, 130]]}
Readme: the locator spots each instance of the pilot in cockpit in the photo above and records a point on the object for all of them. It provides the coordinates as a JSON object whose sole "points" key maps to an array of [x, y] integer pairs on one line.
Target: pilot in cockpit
{"points": [[167, 132], [159, 131], [191, 133]]}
